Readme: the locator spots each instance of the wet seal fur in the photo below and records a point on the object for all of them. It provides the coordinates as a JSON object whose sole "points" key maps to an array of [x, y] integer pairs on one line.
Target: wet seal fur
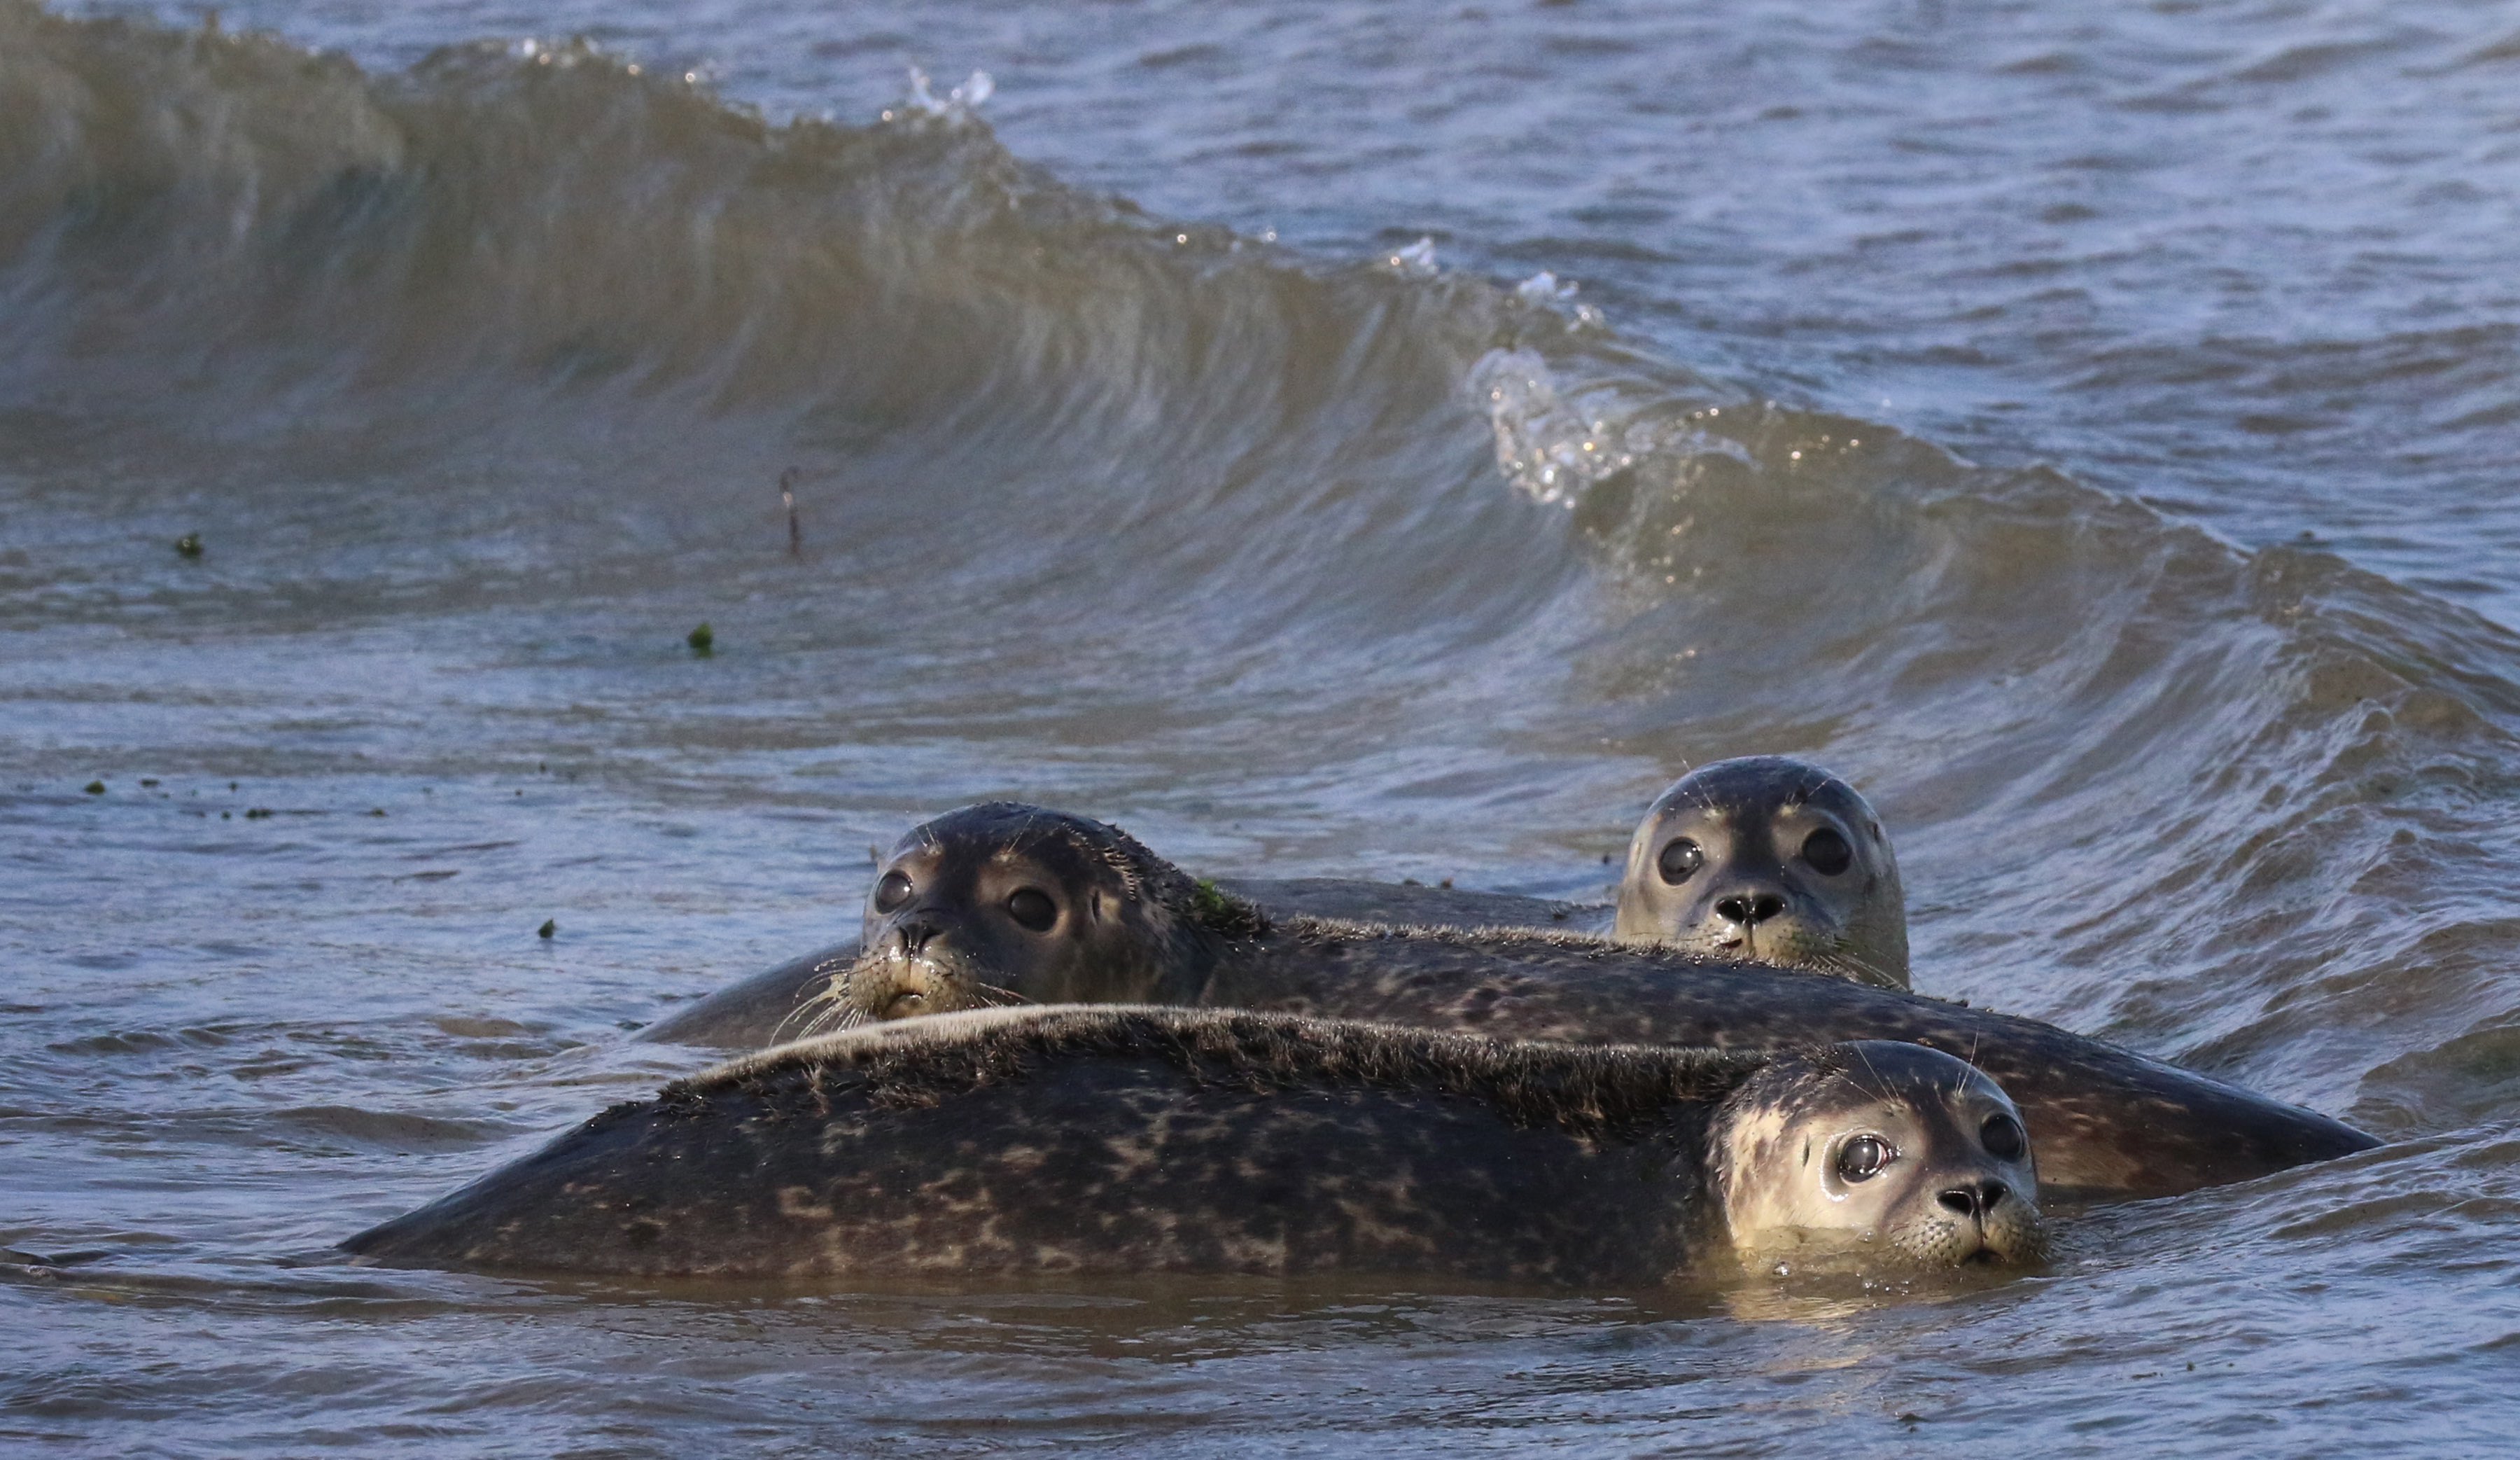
{"points": [[1067, 1140], [1770, 859], [1790, 911], [759, 1010], [2108, 1123]]}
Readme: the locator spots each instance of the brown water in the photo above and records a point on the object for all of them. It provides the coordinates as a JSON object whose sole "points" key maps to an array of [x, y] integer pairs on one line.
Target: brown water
{"points": [[2087, 432]]}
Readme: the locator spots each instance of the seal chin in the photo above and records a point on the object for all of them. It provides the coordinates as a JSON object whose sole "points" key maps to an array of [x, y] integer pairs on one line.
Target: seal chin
{"points": [[1787, 941], [1980, 1244], [1925, 1247], [1790, 943], [889, 983]]}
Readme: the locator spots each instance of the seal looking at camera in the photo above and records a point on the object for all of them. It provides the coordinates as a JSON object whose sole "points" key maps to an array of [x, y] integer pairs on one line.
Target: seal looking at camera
{"points": [[1769, 860], [1084, 1140]]}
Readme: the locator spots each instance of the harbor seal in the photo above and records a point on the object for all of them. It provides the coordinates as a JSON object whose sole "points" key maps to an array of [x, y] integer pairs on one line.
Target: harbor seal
{"points": [[1129, 1140], [2109, 1123], [1769, 859], [772, 1005], [1736, 889]]}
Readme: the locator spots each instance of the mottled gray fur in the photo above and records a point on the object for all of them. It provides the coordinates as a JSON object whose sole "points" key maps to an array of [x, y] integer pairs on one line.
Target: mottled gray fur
{"points": [[1118, 1140]]}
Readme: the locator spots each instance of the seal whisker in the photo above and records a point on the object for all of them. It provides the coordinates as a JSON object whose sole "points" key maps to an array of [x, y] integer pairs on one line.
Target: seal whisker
{"points": [[834, 971], [1883, 1092], [836, 1012]]}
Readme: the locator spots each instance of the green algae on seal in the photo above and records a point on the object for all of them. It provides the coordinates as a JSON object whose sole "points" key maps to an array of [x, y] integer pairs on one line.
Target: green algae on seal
{"points": [[1115, 923], [1769, 859], [1126, 1140]]}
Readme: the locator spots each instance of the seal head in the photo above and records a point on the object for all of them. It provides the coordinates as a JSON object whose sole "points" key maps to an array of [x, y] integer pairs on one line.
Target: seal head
{"points": [[1005, 903], [1772, 860], [1877, 1149]]}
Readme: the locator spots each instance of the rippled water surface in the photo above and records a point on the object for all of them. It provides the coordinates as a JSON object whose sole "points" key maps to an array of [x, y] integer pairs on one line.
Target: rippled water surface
{"points": [[2090, 431]]}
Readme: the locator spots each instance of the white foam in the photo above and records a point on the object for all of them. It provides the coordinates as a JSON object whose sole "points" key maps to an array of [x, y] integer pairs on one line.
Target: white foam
{"points": [[1552, 446]]}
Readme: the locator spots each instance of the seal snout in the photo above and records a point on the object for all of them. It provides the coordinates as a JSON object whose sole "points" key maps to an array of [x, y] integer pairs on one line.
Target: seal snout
{"points": [[1975, 1201], [914, 933], [1749, 909]]}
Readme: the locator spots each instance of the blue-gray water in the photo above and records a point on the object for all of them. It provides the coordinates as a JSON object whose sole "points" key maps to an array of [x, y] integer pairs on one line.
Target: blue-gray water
{"points": [[2090, 430]]}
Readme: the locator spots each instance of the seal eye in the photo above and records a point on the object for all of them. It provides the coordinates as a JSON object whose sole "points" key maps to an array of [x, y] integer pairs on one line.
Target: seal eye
{"points": [[1032, 907], [2002, 1137], [891, 892], [1827, 852], [1680, 858], [1862, 1157]]}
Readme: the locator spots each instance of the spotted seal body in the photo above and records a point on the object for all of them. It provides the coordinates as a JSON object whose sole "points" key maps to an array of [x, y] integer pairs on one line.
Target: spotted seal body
{"points": [[1772, 860], [1072, 1140], [940, 936], [2108, 1121]]}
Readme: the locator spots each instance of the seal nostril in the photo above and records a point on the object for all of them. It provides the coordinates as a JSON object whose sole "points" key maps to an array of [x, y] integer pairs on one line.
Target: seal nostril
{"points": [[1991, 1192], [916, 935], [1962, 1199], [1750, 910]]}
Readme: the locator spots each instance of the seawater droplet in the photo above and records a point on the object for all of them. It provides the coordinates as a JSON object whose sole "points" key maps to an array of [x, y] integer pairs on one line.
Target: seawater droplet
{"points": [[1417, 259]]}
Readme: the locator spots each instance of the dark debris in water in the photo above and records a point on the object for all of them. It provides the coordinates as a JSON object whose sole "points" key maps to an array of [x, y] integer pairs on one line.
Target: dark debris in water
{"points": [[550, 927], [703, 643], [56, 1260], [190, 544]]}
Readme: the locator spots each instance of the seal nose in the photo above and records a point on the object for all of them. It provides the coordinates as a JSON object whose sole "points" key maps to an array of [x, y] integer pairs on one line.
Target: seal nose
{"points": [[914, 934], [1750, 909], [1975, 1201]]}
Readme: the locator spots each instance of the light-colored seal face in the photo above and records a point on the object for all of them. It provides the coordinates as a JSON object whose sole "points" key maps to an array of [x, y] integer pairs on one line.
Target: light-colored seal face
{"points": [[1005, 904], [1772, 860], [1877, 1151]]}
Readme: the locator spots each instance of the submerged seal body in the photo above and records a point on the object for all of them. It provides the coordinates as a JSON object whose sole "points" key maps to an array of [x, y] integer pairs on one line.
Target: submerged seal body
{"points": [[2107, 1121], [1772, 860], [1138, 1140]]}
